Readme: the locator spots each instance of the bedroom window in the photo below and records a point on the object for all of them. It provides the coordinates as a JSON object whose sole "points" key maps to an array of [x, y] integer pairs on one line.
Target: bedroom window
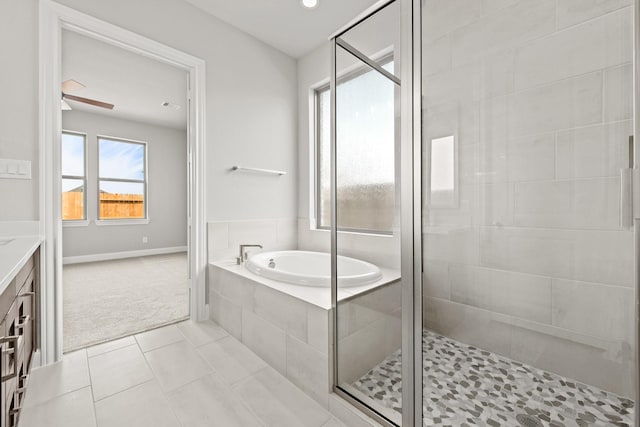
{"points": [[74, 179], [122, 179]]}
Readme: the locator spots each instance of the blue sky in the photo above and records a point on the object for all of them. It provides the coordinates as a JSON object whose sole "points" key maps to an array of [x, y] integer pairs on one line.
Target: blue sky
{"points": [[117, 160], [121, 159]]}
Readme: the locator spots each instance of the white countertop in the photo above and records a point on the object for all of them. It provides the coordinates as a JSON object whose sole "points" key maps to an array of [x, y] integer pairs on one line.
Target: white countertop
{"points": [[14, 255]]}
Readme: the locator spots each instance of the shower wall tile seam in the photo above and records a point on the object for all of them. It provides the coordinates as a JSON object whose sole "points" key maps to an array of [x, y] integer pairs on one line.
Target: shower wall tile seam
{"points": [[610, 12], [525, 228], [506, 14], [558, 30], [509, 320], [542, 276]]}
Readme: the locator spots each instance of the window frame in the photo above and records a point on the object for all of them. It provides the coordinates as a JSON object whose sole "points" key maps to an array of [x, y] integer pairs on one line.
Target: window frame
{"points": [[85, 213], [145, 182], [316, 93]]}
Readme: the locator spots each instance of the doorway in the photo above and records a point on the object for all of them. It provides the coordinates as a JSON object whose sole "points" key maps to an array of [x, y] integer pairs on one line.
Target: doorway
{"points": [[55, 18], [124, 192]]}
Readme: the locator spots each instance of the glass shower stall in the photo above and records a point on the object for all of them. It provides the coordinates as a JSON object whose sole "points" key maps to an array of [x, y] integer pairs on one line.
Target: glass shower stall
{"points": [[484, 151]]}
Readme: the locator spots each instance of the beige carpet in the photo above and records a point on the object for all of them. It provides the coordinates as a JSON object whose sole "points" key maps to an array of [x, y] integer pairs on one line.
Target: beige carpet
{"points": [[110, 299]]}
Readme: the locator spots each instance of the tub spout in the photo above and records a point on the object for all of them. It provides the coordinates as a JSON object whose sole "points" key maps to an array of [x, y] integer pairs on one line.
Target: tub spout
{"points": [[243, 255]]}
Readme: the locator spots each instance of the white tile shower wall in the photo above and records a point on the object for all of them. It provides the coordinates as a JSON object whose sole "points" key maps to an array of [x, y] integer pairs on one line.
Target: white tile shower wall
{"points": [[533, 264], [225, 237]]}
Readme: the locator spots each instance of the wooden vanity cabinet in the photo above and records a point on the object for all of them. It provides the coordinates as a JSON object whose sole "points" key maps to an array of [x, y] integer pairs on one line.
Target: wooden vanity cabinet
{"points": [[19, 312]]}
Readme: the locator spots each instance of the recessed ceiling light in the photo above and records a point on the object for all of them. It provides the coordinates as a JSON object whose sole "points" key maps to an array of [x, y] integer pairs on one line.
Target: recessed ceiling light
{"points": [[310, 3]]}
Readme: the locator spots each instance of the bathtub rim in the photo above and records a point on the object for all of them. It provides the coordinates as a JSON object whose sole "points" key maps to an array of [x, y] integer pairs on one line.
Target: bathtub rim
{"points": [[320, 297], [315, 280]]}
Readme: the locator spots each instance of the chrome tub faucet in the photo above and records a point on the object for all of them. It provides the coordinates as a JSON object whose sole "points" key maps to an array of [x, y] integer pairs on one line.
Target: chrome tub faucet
{"points": [[243, 255]]}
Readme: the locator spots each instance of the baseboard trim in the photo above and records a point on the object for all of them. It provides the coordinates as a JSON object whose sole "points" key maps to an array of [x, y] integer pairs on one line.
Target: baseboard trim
{"points": [[121, 255]]}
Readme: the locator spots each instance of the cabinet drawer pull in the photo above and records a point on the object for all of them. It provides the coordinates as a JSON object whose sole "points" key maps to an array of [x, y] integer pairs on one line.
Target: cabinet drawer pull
{"points": [[24, 379], [10, 339], [25, 319], [27, 294], [4, 340]]}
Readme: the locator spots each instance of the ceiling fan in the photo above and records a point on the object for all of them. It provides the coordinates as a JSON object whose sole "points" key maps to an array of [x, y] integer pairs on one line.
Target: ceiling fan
{"points": [[70, 85]]}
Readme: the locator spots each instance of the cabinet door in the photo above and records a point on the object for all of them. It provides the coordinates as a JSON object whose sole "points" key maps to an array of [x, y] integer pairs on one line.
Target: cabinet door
{"points": [[13, 409], [3, 371], [25, 299], [11, 365], [10, 351], [19, 394]]}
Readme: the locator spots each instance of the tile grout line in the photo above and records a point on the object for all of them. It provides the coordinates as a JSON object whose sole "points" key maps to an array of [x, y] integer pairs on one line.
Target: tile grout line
{"points": [[93, 401], [239, 400], [155, 378]]}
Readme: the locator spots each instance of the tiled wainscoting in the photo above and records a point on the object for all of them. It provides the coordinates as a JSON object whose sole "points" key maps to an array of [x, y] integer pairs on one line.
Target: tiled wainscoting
{"points": [[292, 335], [533, 263], [381, 250], [225, 237], [289, 334]]}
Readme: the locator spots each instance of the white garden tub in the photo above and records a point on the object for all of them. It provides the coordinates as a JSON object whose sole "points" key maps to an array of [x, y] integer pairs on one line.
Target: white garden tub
{"points": [[312, 269]]}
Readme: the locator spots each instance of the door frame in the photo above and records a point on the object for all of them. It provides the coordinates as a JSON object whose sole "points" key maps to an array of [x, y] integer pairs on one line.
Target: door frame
{"points": [[53, 18]]}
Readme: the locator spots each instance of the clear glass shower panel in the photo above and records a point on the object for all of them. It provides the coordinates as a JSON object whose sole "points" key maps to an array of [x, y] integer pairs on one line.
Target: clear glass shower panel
{"points": [[368, 314], [528, 252]]}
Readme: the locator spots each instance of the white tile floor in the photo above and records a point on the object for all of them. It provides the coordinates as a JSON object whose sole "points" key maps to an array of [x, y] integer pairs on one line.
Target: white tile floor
{"points": [[188, 374]]}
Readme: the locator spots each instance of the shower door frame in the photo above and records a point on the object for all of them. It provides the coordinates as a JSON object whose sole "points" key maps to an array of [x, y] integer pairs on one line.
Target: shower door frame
{"points": [[636, 196], [410, 212]]}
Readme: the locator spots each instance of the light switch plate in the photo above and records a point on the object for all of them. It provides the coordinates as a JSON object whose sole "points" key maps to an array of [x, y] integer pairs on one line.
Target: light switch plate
{"points": [[15, 169]]}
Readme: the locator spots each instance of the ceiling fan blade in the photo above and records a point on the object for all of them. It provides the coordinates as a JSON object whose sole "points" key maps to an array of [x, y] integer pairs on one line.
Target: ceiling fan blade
{"points": [[71, 85], [88, 101], [65, 106]]}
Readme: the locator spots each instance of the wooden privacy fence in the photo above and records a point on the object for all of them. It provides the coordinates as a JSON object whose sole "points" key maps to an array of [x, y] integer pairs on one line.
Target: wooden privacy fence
{"points": [[111, 205], [72, 202]]}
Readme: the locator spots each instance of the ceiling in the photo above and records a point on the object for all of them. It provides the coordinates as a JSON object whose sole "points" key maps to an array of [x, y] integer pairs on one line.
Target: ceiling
{"points": [[137, 85], [285, 24]]}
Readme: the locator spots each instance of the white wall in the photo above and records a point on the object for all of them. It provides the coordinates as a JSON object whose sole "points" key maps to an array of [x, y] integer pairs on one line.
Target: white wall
{"points": [[19, 112], [251, 102], [166, 196]]}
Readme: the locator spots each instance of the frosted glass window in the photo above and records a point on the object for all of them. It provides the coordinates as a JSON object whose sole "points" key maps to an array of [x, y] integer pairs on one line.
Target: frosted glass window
{"points": [[365, 149], [122, 183], [73, 166]]}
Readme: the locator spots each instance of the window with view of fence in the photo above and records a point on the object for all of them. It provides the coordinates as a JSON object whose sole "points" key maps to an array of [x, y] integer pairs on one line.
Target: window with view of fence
{"points": [[74, 180], [122, 179]]}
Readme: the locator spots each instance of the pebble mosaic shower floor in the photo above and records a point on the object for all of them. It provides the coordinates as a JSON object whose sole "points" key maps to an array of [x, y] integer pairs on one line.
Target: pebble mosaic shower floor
{"points": [[467, 386]]}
